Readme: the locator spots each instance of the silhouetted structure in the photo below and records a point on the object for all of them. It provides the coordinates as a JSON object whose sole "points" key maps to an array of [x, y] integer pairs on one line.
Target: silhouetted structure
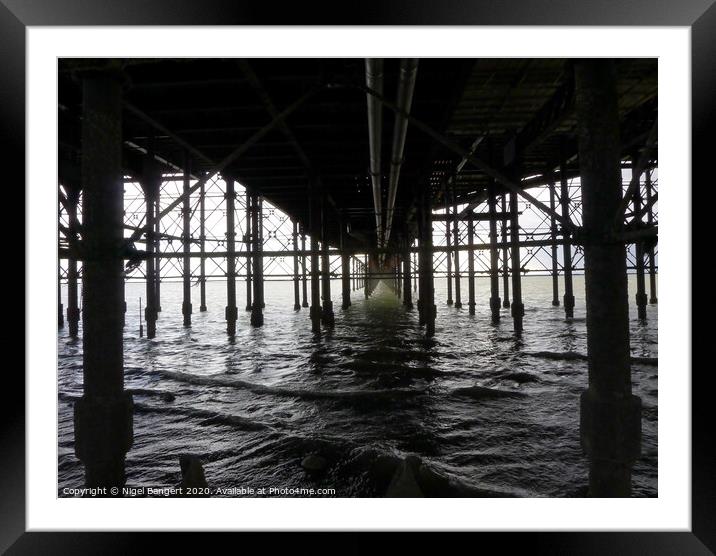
{"points": [[465, 135]]}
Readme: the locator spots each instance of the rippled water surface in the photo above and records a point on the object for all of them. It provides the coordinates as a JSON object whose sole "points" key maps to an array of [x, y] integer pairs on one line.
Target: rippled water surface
{"points": [[363, 395]]}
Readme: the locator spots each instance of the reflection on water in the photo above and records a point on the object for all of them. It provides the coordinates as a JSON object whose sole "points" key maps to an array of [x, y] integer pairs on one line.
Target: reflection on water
{"points": [[487, 413]]}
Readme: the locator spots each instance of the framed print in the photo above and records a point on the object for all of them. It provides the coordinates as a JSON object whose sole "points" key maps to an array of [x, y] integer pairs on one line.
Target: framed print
{"points": [[396, 269]]}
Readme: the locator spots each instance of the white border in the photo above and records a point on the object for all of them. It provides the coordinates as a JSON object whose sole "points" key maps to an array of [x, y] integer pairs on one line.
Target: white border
{"points": [[670, 511]]}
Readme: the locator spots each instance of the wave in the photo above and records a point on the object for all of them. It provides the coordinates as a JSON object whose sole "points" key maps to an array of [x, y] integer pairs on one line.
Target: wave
{"points": [[218, 380]]}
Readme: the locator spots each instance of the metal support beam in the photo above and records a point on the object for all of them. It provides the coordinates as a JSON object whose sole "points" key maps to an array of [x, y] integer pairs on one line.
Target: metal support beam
{"points": [[456, 243], [426, 303], [650, 199], [494, 256], [641, 299], [327, 316], [248, 243], [448, 241], [231, 309], [610, 417], [345, 274], [60, 314], [518, 309], [505, 260], [296, 277], [157, 247], [151, 182], [186, 240], [567, 244], [257, 245], [315, 311], [304, 286], [553, 230], [407, 291], [202, 247], [471, 267], [103, 415], [73, 310]]}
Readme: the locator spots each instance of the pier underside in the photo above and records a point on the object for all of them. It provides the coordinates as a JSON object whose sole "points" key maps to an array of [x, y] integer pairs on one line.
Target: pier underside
{"points": [[440, 183]]}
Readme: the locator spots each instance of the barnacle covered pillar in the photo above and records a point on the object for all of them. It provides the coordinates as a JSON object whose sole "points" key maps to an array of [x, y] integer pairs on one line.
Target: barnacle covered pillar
{"points": [[103, 415], [610, 418]]}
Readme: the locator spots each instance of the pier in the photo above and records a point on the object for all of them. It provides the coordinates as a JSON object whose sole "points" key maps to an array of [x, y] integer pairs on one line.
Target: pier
{"points": [[339, 175]]}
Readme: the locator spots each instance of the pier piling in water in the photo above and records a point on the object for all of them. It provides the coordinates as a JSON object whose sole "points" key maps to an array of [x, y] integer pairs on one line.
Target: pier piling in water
{"points": [[231, 309], [610, 416], [186, 243], [103, 415]]}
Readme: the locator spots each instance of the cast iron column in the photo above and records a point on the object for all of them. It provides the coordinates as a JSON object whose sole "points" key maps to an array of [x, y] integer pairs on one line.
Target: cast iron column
{"points": [[553, 230], [345, 274], [186, 239], [494, 256], [610, 418], [456, 245], [505, 261], [327, 316], [296, 277], [407, 291], [448, 242], [567, 243], [304, 286], [248, 242], [257, 315], [641, 299], [518, 309], [202, 248], [231, 309], [650, 247], [471, 264], [103, 415], [73, 310], [150, 182]]}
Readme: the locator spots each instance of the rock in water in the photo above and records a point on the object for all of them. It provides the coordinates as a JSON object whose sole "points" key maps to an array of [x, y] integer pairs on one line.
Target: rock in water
{"points": [[192, 472], [313, 463], [480, 392], [405, 483]]}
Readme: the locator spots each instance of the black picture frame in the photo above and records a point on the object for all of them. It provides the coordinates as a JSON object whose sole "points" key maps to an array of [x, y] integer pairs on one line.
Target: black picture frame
{"points": [[16, 15]]}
